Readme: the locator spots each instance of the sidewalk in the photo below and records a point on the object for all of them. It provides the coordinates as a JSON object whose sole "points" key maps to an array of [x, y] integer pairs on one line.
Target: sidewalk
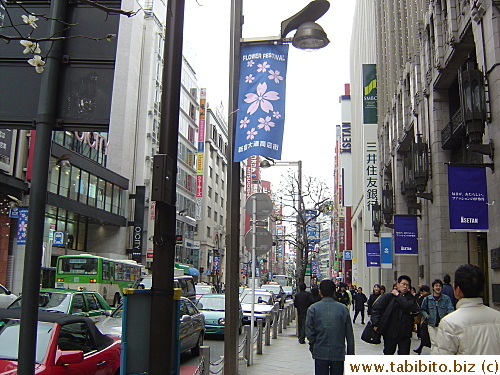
{"points": [[286, 356]]}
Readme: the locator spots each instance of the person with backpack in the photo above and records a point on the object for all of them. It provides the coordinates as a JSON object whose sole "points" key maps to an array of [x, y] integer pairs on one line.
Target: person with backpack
{"points": [[392, 316]]}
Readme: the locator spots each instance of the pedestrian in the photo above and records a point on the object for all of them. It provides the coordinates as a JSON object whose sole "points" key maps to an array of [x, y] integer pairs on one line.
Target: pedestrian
{"points": [[392, 317], [382, 289], [329, 328], [422, 331], [352, 293], [434, 308], [302, 301], [342, 295], [413, 291], [448, 289], [373, 297], [359, 305], [315, 294], [473, 328]]}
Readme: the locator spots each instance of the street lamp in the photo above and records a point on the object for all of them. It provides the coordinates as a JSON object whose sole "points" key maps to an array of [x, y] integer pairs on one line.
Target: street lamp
{"points": [[267, 163], [314, 10]]}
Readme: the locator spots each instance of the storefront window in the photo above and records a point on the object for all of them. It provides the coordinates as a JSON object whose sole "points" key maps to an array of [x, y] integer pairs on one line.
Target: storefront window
{"points": [[53, 177], [108, 196], [92, 190], [101, 188], [64, 184], [75, 183], [84, 187]]}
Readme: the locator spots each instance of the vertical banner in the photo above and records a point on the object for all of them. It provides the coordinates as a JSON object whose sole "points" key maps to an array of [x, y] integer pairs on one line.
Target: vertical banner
{"points": [[22, 225], [386, 250], [468, 195], [261, 101], [371, 172], [370, 94], [372, 254], [405, 235], [200, 159]]}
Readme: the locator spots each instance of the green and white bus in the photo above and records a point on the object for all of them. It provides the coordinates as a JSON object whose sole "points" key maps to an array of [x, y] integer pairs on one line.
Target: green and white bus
{"points": [[106, 276]]}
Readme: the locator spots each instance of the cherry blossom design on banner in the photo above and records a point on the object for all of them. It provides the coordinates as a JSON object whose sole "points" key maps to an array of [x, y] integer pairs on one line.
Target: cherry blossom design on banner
{"points": [[261, 101]]}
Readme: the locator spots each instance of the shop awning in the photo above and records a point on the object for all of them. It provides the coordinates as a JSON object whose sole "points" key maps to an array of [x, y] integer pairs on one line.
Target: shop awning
{"points": [[193, 271], [183, 267]]}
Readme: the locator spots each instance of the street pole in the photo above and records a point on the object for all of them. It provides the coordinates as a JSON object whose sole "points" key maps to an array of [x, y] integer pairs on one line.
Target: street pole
{"points": [[38, 194], [300, 227], [164, 191], [234, 200]]}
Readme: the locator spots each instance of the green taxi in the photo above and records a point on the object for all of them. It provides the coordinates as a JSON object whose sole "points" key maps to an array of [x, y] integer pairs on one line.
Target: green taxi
{"points": [[213, 306], [69, 301]]}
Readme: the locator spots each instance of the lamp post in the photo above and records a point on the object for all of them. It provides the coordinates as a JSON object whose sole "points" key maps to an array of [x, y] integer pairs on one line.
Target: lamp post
{"points": [[267, 163], [314, 10]]}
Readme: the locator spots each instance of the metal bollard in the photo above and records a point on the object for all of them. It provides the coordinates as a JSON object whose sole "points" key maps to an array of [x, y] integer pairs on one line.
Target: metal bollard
{"points": [[275, 325], [280, 321], [287, 317], [248, 344], [259, 335], [205, 356], [267, 332]]}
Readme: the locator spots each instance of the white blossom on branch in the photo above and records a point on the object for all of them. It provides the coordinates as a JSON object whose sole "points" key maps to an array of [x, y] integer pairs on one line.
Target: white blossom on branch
{"points": [[30, 47], [38, 63]]}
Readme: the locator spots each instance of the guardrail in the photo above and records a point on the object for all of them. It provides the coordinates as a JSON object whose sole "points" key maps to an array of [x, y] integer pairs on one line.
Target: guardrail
{"points": [[249, 345]]}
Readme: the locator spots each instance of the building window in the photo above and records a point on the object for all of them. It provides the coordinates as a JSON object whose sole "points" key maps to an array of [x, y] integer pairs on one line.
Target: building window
{"points": [[216, 179], [209, 192], [216, 198], [221, 219], [210, 172], [222, 184], [208, 232], [222, 202], [209, 211]]}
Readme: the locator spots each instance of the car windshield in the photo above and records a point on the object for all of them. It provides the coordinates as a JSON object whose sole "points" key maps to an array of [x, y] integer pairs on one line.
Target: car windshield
{"points": [[287, 288], [48, 301], [211, 303], [203, 289], [259, 298], [272, 288], [9, 339], [118, 312]]}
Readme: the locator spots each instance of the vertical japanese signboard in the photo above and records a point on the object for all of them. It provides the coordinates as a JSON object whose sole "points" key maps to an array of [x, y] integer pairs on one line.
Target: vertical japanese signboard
{"points": [[200, 160], [370, 142], [468, 197], [405, 235]]}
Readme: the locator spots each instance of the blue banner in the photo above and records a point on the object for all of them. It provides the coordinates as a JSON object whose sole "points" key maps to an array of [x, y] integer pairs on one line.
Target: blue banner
{"points": [[315, 269], [372, 254], [216, 263], [468, 197], [386, 250], [261, 101], [22, 225], [405, 235]]}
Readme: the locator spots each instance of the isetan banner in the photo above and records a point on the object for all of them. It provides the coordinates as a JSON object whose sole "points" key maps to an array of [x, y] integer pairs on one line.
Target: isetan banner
{"points": [[405, 235], [372, 254], [468, 195], [261, 101]]}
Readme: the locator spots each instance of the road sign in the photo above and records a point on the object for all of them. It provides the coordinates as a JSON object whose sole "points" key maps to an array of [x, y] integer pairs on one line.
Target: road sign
{"points": [[263, 240], [58, 238], [347, 255], [264, 206]]}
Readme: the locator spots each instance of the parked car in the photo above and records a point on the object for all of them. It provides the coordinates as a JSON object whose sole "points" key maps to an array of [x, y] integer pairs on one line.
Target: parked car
{"points": [[289, 292], [191, 330], [69, 301], [213, 306], [185, 283], [66, 344], [6, 297], [202, 289], [277, 289], [264, 306]]}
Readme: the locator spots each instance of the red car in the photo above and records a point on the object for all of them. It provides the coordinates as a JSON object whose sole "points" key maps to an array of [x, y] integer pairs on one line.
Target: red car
{"points": [[66, 344]]}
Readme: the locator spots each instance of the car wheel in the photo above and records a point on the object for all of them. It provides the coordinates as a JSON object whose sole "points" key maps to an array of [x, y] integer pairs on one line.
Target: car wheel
{"points": [[196, 350], [117, 299]]}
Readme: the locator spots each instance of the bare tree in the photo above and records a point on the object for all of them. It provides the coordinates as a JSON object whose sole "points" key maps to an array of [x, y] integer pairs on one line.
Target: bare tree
{"points": [[306, 203]]}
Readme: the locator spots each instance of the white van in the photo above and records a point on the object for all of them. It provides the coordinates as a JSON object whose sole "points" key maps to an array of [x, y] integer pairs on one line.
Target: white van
{"points": [[184, 282]]}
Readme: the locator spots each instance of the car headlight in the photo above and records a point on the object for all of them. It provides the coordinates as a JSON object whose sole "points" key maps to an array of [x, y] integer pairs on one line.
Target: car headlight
{"points": [[222, 321]]}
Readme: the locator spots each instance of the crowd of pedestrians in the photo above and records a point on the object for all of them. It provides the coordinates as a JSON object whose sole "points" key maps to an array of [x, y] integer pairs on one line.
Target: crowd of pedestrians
{"points": [[450, 319]]}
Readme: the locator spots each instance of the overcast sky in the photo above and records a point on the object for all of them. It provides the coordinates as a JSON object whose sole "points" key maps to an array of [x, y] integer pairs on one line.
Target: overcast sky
{"points": [[315, 80]]}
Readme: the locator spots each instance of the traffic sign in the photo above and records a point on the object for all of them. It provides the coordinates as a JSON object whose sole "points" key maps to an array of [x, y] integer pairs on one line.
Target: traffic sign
{"points": [[347, 254], [58, 239], [263, 204], [263, 240]]}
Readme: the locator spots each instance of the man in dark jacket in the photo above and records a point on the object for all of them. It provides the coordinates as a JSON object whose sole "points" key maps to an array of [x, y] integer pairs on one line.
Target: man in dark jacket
{"points": [[448, 289], [329, 331], [342, 295], [359, 305], [302, 301], [392, 316]]}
